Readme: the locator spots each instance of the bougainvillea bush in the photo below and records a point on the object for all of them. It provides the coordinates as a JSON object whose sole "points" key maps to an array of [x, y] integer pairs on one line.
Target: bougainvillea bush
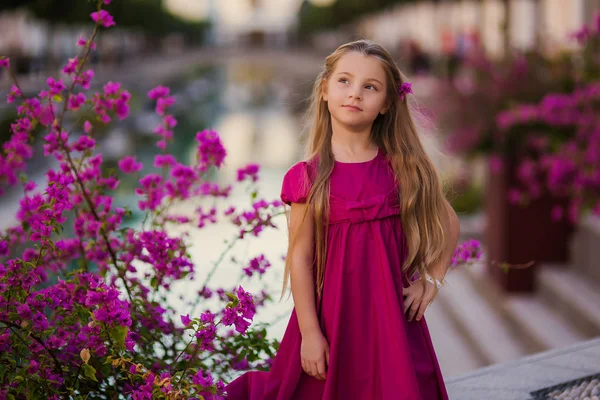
{"points": [[559, 150], [537, 112], [83, 296]]}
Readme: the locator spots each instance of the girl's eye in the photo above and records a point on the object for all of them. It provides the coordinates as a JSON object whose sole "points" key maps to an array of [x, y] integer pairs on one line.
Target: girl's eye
{"points": [[367, 86]]}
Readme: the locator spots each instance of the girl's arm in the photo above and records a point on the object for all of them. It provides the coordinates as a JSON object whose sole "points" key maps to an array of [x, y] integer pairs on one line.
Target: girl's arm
{"points": [[420, 295], [301, 270]]}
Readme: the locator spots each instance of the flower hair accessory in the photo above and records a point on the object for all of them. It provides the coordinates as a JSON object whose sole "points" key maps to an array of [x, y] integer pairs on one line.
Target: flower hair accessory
{"points": [[404, 89]]}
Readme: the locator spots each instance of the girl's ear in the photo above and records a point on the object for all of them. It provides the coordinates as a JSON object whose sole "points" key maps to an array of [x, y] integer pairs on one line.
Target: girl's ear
{"points": [[385, 109], [324, 89]]}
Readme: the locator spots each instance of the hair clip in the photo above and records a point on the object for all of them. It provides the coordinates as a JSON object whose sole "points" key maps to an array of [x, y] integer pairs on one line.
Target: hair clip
{"points": [[404, 89]]}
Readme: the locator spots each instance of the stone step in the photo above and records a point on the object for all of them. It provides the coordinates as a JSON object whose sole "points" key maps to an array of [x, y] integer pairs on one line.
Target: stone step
{"points": [[585, 251], [537, 325], [483, 327], [453, 352], [544, 327], [576, 297]]}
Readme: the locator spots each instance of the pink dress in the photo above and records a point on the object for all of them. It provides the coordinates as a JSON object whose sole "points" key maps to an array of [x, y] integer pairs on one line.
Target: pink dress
{"points": [[375, 353]]}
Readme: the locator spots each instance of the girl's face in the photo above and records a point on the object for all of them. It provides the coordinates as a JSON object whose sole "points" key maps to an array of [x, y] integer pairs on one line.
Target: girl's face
{"points": [[356, 90]]}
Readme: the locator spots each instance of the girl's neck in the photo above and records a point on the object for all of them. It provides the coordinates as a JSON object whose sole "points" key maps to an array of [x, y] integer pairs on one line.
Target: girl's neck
{"points": [[353, 149]]}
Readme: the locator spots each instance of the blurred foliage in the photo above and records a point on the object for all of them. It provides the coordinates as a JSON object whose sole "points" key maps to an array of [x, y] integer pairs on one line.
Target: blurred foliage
{"points": [[314, 18], [147, 15], [6, 120], [469, 103], [467, 200]]}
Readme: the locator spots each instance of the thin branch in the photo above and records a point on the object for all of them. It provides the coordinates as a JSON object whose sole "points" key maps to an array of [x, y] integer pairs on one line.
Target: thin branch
{"points": [[57, 364]]}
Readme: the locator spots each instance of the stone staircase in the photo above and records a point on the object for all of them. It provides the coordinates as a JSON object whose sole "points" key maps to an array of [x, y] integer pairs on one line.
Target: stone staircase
{"points": [[495, 327]]}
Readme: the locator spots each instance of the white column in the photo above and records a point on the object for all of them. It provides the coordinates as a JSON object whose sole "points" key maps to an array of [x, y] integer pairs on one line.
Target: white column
{"points": [[523, 24], [491, 35]]}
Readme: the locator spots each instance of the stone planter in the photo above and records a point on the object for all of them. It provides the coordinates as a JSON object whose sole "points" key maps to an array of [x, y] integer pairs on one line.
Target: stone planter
{"points": [[519, 235]]}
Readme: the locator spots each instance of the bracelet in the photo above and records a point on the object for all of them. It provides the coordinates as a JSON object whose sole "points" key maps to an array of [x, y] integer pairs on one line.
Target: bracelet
{"points": [[433, 280]]}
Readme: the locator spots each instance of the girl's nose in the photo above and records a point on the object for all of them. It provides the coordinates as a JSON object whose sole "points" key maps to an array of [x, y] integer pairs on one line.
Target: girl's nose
{"points": [[355, 94]]}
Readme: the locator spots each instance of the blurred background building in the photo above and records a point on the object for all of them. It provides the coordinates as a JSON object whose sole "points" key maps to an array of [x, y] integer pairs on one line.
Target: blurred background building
{"points": [[245, 68]]}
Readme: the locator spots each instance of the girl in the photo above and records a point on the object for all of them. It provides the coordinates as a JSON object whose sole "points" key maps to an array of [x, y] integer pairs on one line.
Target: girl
{"points": [[371, 238]]}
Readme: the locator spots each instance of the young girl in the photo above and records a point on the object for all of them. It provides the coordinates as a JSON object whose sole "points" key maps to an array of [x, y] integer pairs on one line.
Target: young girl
{"points": [[371, 238]]}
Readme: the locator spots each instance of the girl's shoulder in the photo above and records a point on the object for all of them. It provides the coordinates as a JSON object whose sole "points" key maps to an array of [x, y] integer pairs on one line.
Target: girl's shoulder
{"points": [[297, 182]]}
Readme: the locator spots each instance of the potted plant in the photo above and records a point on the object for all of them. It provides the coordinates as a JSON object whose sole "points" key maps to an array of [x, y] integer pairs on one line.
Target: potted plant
{"points": [[535, 119]]}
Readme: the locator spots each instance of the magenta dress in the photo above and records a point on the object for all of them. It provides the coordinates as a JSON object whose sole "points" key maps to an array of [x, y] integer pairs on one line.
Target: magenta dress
{"points": [[375, 353]]}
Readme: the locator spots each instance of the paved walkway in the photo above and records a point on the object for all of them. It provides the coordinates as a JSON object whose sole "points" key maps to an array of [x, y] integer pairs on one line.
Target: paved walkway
{"points": [[516, 380]]}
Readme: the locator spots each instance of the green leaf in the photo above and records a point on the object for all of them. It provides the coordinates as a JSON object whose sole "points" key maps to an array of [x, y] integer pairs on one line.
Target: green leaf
{"points": [[232, 296], [119, 333], [89, 372]]}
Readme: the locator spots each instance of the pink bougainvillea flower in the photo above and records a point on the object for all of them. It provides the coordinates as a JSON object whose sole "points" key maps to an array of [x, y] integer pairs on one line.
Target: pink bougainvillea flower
{"points": [[158, 92], [164, 160], [55, 86], [82, 42], [210, 149], [71, 66], [85, 79], [103, 18], [185, 319], [76, 101], [14, 93], [404, 89], [249, 171], [87, 127], [129, 165], [5, 62], [111, 88]]}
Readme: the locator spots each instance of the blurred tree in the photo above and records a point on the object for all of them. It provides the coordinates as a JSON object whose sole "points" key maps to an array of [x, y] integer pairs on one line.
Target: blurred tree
{"points": [[53, 11], [147, 15], [314, 17]]}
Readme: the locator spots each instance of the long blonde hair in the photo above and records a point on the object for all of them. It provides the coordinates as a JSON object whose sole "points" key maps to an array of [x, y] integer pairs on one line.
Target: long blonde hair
{"points": [[421, 193]]}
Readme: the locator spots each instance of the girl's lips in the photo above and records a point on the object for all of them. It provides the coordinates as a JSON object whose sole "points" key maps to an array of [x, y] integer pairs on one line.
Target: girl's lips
{"points": [[353, 108]]}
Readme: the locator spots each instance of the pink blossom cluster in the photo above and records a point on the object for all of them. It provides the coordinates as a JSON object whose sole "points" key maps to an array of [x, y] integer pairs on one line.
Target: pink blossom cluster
{"points": [[257, 265], [103, 309], [571, 169], [250, 171], [210, 150], [467, 252], [166, 254], [241, 314], [254, 221]]}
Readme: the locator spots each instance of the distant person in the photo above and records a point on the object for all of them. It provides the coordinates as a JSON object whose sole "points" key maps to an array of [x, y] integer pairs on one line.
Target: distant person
{"points": [[419, 60], [449, 53], [362, 274]]}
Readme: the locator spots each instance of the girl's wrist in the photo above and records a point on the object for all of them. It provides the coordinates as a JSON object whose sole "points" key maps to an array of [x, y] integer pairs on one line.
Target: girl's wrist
{"points": [[310, 332], [433, 280]]}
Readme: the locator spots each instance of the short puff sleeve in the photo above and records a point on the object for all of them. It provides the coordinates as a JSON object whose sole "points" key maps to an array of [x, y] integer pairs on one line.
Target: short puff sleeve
{"points": [[296, 184]]}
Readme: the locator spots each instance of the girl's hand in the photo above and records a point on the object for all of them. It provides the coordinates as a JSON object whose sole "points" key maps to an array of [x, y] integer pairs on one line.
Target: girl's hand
{"points": [[417, 298], [314, 354]]}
